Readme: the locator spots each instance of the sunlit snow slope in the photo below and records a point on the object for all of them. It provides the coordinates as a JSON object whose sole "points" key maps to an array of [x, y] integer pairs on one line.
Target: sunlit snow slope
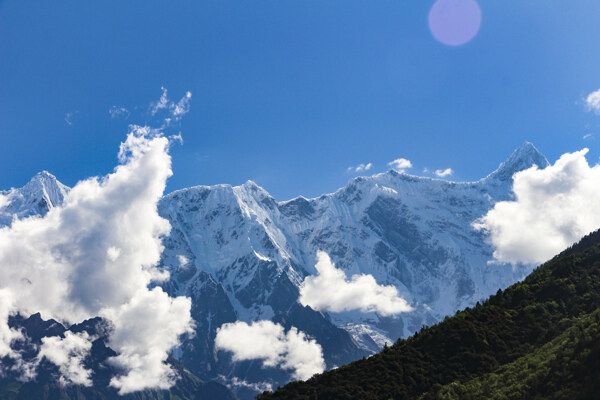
{"points": [[242, 255]]}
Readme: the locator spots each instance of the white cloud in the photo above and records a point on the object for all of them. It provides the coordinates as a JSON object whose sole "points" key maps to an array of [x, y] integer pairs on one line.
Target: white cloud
{"points": [[360, 167], [3, 200], [267, 341], [146, 328], [174, 110], [69, 117], [183, 260], [68, 354], [235, 382], [116, 112], [7, 335], [331, 291], [182, 107], [443, 172], [588, 136], [592, 101], [400, 164], [553, 208], [95, 256]]}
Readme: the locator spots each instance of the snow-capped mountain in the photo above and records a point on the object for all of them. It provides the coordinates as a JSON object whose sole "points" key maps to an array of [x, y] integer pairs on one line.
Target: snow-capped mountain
{"points": [[37, 197], [242, 255]]}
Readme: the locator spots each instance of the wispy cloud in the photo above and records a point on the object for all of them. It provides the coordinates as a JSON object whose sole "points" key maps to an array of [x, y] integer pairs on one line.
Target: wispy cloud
{"points": [[588, 136], [267, 341], [235, 382], [174, 110], [592, 101], [400, 164], [442, 173], [330, 290], [69, 117], [554, 208], [118, 112], [360, 167]]}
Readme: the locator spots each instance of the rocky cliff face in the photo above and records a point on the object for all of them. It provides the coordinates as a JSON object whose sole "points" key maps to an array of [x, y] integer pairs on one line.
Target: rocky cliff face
{"points": [[242, 255]]}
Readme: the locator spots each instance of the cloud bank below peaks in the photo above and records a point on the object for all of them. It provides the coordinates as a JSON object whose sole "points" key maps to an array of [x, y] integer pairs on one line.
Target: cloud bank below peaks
{"points": [[267, 341], [553, 208], [95, 256], [330, 290]]}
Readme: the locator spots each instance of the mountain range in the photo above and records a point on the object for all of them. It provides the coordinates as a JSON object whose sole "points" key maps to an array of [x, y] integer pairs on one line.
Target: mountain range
{"points": [[239, 254], [538, 339]]}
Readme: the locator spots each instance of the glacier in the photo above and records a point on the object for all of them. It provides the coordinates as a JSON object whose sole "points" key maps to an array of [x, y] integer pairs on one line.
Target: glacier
{"points": [[242, 255]]}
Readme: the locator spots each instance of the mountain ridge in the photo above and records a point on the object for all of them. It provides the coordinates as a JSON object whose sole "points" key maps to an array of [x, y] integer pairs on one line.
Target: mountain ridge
{"points": [[515, 334], [241, 255]]}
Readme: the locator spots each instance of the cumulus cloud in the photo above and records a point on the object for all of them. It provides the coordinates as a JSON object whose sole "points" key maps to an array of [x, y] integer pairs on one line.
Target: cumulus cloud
{"points": [[146, 328], [96, 255], [3, 200], [116, 112], [267, 341], [7, 335], [553, 208], [400, 164], [592, 101], [330, 290], [68, 354], [174, 110], [443, 172], [360, 167]]}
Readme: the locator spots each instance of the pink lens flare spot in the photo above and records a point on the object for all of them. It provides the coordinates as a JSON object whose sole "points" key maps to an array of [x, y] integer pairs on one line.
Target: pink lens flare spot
{"points": [[454, 22]]}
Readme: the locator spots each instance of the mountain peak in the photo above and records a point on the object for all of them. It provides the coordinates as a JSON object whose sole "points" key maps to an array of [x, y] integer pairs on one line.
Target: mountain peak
{"points": [[45, 186], [43, 177], [37, 197], [44, 181], [526, 156]]}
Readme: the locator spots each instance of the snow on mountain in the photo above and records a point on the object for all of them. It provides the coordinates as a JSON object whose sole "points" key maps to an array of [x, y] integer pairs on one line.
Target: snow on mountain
{"points": [[37, 197], [242, 255]]}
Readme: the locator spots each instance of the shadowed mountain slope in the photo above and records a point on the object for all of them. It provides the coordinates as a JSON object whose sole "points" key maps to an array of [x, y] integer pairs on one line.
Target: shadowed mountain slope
{"points": [[530, 321]]}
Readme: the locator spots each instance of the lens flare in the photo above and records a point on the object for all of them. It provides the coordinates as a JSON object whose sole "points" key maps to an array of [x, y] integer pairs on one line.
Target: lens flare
{"points": [[454, 22]]}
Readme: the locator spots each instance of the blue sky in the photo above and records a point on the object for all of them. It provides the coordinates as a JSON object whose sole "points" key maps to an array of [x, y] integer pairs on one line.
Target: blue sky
{"points": [[291, 93]]}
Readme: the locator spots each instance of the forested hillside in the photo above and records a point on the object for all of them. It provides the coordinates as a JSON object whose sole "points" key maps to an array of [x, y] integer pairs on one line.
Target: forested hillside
{"points": [[565, 368], [540, 330]]}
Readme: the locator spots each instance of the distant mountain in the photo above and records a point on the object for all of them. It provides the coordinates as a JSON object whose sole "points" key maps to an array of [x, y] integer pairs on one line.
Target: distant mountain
{"points": [[242, 255], [539, 339]]}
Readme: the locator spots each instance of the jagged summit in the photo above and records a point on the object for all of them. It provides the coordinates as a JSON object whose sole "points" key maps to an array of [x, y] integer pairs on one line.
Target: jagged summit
{"points": [[44, 175], [44, 180], [42, 193], [45, 186], [522, 158], [241, 255]]}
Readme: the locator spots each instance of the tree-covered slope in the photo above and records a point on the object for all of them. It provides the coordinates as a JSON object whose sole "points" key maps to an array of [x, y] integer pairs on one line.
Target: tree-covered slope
{"points": [[566, 368], [474, 342]]}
